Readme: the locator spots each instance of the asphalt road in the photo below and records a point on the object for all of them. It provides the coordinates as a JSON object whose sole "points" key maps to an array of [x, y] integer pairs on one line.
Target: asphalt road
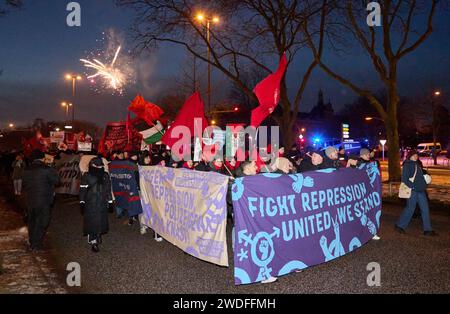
{"points": [[132, 263]]}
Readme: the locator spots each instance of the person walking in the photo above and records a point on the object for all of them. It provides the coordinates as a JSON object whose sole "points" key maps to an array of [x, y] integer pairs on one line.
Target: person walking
{"points": [[95, 199], [39, 181], [18, 169], [412, 176]]}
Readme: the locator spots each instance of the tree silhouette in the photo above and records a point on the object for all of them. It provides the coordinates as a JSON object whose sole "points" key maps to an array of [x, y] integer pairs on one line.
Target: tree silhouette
{"points": [[386, 46]]}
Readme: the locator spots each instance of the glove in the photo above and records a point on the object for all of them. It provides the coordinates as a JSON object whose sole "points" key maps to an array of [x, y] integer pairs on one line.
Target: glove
{"points": [[82, 208]]}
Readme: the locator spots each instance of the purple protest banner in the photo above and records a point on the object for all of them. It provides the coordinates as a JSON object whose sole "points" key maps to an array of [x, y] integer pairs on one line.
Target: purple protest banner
{"points": [[285, 223]]}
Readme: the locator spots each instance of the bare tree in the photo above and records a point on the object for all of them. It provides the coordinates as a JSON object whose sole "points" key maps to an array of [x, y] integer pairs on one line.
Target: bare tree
{"points": [[397, 37], [249, 33], [7, 4]]}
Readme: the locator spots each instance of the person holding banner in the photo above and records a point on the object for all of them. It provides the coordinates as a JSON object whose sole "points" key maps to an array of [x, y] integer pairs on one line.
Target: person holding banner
{"points": [[95, 198], [313, 161]]}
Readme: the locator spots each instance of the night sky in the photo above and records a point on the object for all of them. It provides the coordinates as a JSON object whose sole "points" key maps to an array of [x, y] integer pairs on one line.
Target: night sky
{"points": [[37, 48]]}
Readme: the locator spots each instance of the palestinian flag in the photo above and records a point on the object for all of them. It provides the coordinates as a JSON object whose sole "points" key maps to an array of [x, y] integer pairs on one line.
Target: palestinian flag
{"points": [[154, 134]]}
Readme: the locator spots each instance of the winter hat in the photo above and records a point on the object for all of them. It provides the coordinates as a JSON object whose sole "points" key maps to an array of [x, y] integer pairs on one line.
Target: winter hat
{"points": [[411, 153], [364, 151], [329, 150], [37, 154], [96, 161]]}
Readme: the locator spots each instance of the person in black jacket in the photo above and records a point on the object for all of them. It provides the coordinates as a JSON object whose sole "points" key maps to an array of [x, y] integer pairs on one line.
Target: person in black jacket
{"points": [[412, 176], [39, 182], [331, 158], [313, 161], [95, 198]]}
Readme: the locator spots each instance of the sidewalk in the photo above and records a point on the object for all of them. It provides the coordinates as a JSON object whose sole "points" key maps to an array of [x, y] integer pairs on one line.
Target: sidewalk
{"points": [[21, 271]]}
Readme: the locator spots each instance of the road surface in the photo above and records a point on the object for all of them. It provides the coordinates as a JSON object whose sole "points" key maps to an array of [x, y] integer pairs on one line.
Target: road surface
{"points": [[132, 263]]}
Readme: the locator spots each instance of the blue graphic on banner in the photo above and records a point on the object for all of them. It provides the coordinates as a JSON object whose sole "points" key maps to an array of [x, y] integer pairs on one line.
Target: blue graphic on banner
{"points": [[302, 220]]}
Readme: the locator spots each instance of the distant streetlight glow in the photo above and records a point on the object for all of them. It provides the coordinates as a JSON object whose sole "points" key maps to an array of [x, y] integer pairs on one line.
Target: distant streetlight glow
{"points": [[11, 125], [437, 93]]}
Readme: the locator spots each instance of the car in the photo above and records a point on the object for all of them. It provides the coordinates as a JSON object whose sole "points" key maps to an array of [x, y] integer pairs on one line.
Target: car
{"points": [[426, 149]]}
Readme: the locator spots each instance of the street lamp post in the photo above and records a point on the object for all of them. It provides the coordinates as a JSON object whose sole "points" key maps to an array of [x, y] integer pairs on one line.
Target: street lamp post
{"points": [[74, 78], [202, 18], [435, 124], [66, 106]]}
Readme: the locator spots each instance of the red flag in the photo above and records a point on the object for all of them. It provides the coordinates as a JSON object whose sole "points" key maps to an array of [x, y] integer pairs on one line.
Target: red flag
{"points": [[268, 93], [268, 90], [192, 108], [258, 116], [145, 110]]}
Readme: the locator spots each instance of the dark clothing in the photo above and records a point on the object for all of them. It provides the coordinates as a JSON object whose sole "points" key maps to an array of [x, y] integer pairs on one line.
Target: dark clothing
{"points": [[39, 182], [203, 166], [307, 165], [361, 162], [330, 163], [96, 196], [409, 167], [38, 221]]}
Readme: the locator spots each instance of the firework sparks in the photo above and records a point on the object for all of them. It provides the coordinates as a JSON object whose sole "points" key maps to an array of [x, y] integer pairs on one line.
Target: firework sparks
{"points": [[112, 75]]}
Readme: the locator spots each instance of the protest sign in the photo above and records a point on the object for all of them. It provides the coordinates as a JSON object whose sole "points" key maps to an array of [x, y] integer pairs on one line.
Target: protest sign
{"points": [[285, 223], [188, 208], [57, 137], [69, 174], [125, 186]]}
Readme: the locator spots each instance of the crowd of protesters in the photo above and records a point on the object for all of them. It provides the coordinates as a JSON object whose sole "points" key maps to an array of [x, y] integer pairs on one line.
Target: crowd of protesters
{"points": [[37, 176]]}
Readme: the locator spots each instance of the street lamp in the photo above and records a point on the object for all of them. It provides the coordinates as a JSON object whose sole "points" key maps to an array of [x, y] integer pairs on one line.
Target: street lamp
{"points": [[11, 125], [201, 17], [372, 118], [66, 106], [74, 78]]}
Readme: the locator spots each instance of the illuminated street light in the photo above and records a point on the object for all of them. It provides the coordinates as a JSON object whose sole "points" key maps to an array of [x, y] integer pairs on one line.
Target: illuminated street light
{"points": [[11, 125], [437, 93], [66, 106], [74, 78], [201, 17]]}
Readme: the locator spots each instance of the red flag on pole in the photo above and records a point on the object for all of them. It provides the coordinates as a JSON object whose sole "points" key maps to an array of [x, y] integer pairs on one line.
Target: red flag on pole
{"points": [[193, 108], [268, 93]]}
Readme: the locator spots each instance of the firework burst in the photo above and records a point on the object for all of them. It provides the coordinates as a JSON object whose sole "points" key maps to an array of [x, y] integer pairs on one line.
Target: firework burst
{"points": [[113, 76]]}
